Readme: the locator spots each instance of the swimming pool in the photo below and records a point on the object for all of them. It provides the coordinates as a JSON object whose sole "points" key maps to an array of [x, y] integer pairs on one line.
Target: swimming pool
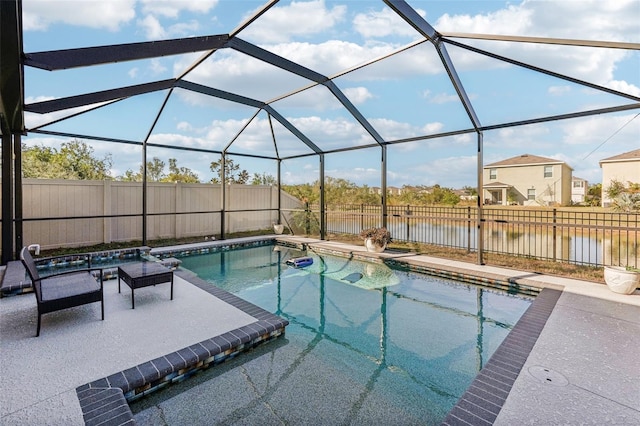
{"points": [[365, 344]]}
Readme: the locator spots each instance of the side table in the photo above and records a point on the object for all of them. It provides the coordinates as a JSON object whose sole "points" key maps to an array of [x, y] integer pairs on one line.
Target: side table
{"points": [[138, 275]]}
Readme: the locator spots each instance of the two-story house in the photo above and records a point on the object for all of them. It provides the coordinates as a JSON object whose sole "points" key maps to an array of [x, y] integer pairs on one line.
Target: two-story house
{"points": [[623, 168], [579, 188], [527, 180]]}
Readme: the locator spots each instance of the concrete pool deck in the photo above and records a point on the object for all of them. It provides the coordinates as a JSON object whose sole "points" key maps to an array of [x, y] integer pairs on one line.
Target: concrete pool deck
{"points": [[582, 368]]}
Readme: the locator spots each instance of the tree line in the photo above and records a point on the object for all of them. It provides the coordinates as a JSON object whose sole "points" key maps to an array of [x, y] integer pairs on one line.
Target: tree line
{"points": [[77, 160]]}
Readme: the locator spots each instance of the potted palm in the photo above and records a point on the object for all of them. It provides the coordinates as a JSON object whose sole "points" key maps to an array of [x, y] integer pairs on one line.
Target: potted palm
{"points": [[375, 239], [621, 279]]}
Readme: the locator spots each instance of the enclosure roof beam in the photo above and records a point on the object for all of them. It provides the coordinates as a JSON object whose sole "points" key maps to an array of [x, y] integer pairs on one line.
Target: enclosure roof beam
{"points": [[287, 65], [250, 102], [546, 40], [249, 20], [407, 13], [221, 94], [559, 117], [275, 60], [97, 97], [139, 143], [293, 129], [541, 70], [88, 56]]}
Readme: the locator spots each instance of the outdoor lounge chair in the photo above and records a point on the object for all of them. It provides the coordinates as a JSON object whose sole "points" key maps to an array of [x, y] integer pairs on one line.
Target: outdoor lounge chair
{"points": [[63, 290]]}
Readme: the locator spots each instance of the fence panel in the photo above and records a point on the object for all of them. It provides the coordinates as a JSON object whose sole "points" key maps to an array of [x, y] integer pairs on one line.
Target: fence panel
{"points": [[574, 236], [62, 213]]}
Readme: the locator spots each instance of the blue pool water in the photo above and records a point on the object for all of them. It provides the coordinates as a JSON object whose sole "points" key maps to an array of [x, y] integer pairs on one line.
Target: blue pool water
{"points": [[366, 344]]}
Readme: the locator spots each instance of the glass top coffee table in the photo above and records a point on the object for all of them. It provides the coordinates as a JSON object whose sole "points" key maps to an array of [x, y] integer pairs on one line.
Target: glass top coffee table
{"points": [[144, 274]]}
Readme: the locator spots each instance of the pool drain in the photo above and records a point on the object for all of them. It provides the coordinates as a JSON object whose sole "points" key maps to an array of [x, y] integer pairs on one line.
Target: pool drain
{"points": [[548, 376]]}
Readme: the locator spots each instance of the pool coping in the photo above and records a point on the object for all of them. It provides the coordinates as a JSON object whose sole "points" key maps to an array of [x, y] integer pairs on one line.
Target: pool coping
{"points": [[484, 398], [106, 401]]}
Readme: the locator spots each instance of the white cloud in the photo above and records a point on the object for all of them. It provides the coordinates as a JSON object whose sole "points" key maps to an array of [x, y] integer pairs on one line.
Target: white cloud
{"points": [[587, 19], [110, 15], [156, 66], [152, 28], [184, 126], [382, 23], [624, 87], [172, 8], [443, 98], [299, 18], [559, 90], [451, 171], [357, 95], [133, 72], [620, 130]]}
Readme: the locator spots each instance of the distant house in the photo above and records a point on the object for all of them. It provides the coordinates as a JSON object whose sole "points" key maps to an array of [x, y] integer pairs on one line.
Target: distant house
{"points": [[391, 190], [579, 189], [527, 180], [622, 168]]}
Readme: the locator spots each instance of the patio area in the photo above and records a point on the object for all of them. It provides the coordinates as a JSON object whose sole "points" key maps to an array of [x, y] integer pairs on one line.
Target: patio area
{"points": [[582, 368]]}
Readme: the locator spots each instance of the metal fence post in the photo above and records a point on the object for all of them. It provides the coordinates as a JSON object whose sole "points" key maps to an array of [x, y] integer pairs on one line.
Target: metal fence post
{"points": [[468, 229], [554, 234], [408, 213]]}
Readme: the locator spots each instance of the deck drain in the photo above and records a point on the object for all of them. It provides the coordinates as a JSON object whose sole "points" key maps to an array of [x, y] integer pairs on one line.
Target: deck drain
{"points": [[548, 376]]}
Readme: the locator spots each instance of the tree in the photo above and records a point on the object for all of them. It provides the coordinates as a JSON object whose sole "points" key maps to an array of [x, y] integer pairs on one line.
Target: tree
{"points": [[74, 160], [180, 174], [614, 189], [155, 173], [440, 195], [625, 198], [594, 195], [155, 170], [263, 179], [232, 172]]}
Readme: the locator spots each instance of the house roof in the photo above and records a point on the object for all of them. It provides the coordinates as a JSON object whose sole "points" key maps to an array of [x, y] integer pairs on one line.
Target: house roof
{"points": [[524, 160], [626, 156]]}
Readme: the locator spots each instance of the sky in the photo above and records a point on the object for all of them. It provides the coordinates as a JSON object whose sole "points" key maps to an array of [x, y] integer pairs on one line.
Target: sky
{"points": [[405, 96]]}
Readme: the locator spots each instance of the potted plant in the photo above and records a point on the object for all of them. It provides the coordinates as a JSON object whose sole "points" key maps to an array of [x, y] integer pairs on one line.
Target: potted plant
{"points": [[376, 239], [621, 279]]}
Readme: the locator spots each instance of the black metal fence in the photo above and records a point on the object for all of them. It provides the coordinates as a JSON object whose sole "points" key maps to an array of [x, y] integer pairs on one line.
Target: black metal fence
{"points": [[572, 235]]}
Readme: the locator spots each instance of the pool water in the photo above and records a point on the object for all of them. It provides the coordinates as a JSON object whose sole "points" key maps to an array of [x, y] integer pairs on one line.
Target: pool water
{"points": [[366, 344]]}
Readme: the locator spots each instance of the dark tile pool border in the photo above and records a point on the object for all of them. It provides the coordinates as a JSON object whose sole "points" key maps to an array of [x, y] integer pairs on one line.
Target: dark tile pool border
{"points": [[106, 401], [482, 401]]}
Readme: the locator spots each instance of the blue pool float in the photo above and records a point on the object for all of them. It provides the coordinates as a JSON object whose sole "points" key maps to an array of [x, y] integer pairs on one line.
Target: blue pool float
{"points": [[300, 262]]}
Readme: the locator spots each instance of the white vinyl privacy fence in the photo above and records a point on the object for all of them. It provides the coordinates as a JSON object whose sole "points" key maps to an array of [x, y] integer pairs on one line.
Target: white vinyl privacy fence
{"points": [[67, 213]]}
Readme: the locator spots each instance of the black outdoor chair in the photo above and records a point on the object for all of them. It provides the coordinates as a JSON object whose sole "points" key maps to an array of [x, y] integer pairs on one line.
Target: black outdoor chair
{"points": [[63, 290]]}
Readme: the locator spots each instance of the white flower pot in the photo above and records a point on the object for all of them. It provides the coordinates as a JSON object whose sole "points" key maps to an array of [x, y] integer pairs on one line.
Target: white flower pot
{"points": [[278, 229], [619, 280], [373, 247]]}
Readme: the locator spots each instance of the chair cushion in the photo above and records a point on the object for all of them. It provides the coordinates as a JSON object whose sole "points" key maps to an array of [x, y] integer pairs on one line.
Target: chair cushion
{"points": [[55, 288]]}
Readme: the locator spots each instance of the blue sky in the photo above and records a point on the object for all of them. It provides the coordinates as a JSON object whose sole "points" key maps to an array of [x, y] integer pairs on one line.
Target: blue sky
{"points": [[407, 95]]}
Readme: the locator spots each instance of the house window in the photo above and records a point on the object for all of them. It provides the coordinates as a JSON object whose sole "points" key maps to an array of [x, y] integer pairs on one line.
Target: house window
{"points": [[531, 194], [493, 173], [578, 184], [548, 171]]}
